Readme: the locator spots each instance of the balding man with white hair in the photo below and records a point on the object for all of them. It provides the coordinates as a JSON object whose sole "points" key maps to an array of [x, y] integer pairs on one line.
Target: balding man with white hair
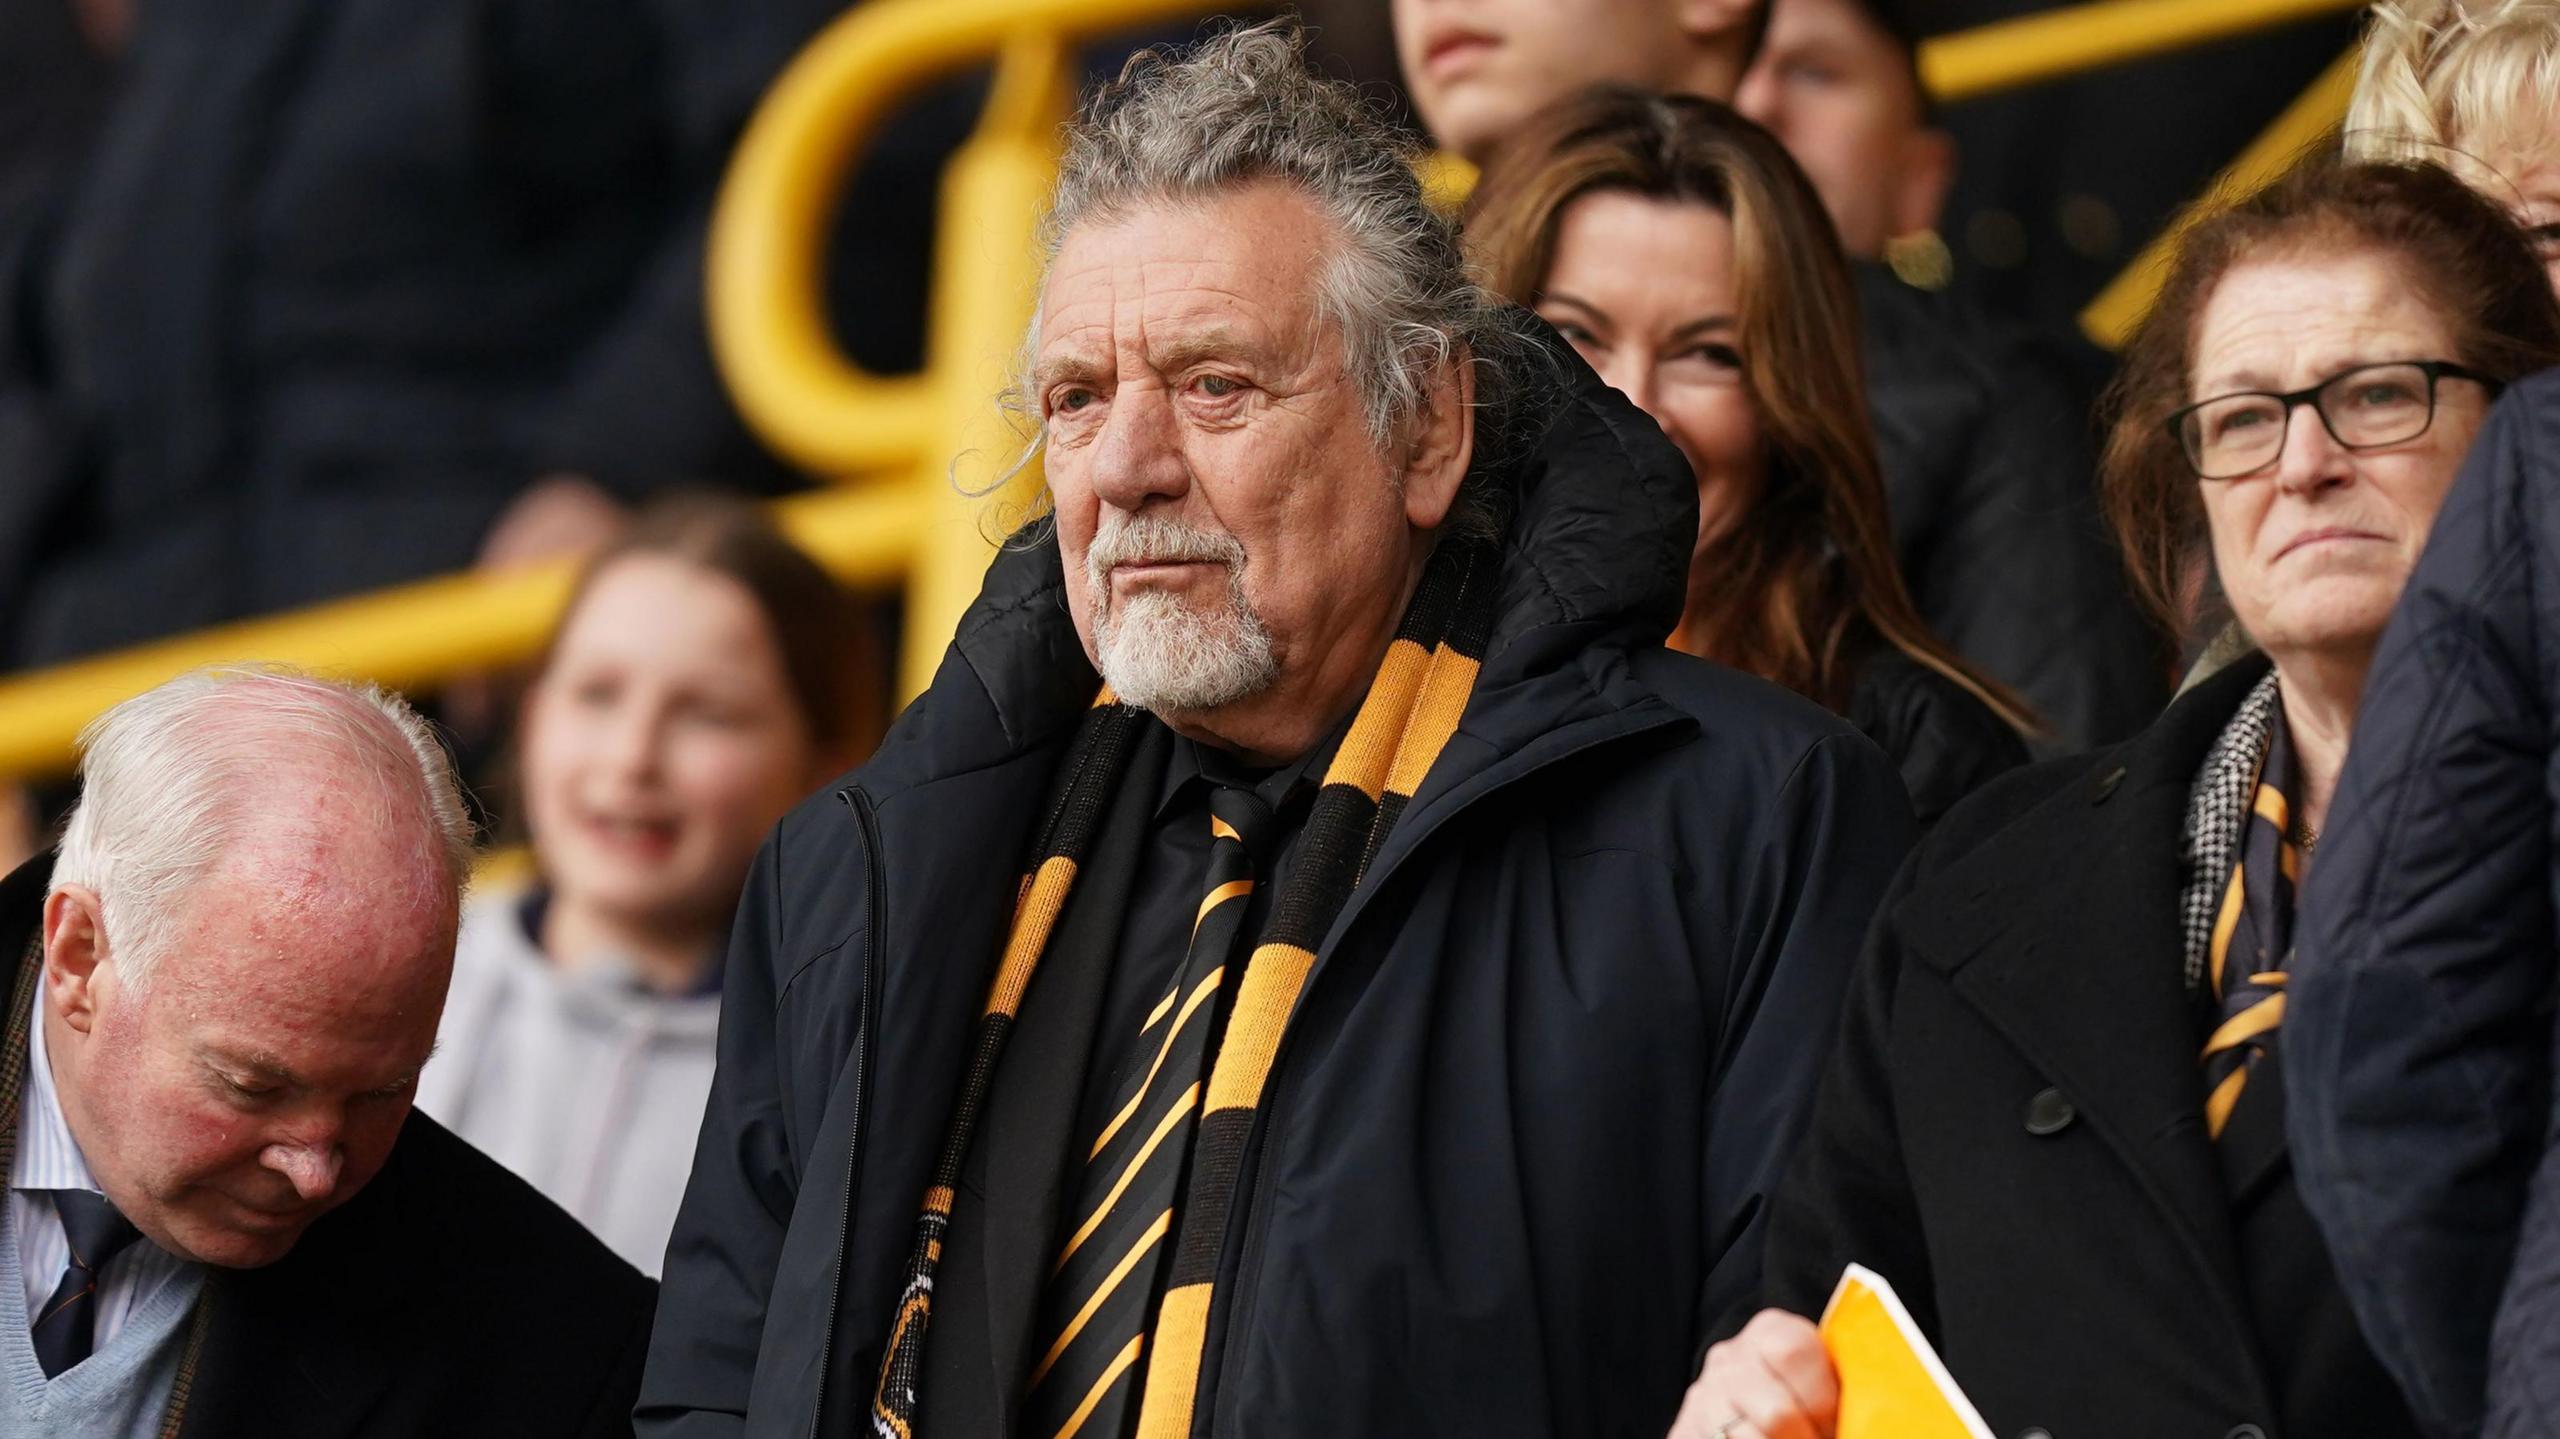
{"points": [[223, 1216]]}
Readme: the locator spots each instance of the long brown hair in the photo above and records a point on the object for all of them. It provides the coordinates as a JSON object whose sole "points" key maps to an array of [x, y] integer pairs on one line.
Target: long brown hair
{"points": [[2458, 251], [1805, 585]]}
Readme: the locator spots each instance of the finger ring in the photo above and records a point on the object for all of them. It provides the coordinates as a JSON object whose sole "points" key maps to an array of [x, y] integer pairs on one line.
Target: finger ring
{"points": [[1725, 1430]]}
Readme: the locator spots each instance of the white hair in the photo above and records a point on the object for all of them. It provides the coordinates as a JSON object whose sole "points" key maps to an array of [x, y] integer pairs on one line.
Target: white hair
{"points": [[1158, 653], [2471, 85], [169, 778], [1246, 107]]}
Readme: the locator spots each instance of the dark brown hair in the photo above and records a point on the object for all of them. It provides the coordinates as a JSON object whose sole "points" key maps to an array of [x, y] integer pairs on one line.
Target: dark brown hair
{"points": [[1806, 584], [2458, 251], [830, 656]]}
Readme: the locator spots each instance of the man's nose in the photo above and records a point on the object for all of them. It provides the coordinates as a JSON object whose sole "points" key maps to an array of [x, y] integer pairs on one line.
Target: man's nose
{"points": [[313, 1168], [1138, 456]]}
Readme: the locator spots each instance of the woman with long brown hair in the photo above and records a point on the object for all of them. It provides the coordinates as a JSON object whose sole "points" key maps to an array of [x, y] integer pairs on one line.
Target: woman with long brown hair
{"points": [[1690, 262]]}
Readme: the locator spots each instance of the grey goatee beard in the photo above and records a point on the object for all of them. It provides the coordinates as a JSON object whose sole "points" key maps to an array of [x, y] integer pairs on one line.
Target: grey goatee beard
{"points": [[1159, 653]]}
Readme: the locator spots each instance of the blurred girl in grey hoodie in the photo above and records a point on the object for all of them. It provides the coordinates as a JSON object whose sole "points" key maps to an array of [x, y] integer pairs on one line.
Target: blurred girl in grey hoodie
{"points": [[704, 677]]}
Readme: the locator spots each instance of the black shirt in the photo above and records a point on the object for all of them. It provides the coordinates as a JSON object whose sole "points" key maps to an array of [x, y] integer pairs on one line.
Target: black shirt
{"points": [[1066, 1067], [1172, 878]]}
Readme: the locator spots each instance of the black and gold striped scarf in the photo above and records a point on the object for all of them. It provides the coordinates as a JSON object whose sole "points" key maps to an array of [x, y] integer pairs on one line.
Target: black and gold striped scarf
{"points": [[1412, 708], [2243, 866]]}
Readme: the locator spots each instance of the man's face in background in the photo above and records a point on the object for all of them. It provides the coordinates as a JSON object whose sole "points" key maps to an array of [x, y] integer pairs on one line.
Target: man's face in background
{"points": [[1839, 90], [1477, 68]]}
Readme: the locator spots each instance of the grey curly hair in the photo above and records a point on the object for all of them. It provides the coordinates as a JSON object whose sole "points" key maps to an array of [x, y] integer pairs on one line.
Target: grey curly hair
{"points": [[1243, 107]]}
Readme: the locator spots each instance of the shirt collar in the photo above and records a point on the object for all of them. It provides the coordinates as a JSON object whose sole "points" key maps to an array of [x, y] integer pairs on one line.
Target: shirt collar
{"points": [[48, 1156], [1276, 788]]}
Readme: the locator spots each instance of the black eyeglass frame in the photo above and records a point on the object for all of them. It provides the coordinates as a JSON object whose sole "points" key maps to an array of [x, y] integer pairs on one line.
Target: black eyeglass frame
{"points": [[2292, 400]]}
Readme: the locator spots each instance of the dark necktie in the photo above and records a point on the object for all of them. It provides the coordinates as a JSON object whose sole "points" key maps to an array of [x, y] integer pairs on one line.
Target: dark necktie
{"points": [[66, 1328], [1100, 1296]]}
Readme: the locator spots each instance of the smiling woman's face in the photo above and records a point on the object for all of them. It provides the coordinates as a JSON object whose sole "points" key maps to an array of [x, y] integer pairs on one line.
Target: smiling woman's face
{"points": [[2313, 549]]}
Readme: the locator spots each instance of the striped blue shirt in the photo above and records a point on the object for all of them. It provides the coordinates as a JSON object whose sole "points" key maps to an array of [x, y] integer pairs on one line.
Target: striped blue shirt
{"points": [[49, 1159]]}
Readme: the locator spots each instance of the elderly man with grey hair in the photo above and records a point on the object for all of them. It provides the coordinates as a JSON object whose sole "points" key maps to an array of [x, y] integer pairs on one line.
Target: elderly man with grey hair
{"points": [[222, 1215], [1314, 963]]}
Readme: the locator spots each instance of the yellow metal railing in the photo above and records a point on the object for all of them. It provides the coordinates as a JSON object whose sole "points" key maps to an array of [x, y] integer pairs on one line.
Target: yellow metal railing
{"points": [[2110, 318], [2012, 54], [412, 637], [900, 518]]}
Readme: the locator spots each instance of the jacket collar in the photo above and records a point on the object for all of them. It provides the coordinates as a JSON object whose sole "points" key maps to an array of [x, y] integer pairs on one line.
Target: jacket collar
{"points": [[2077, 964]]}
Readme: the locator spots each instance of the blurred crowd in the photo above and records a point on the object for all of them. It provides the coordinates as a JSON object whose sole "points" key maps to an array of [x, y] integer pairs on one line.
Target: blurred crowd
{"points": [[1550, 779]]}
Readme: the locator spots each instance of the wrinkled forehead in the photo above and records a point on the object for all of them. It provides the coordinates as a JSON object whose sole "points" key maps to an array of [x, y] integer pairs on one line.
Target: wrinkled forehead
{"points": [[1237, 270], [2287, 320], [346, 881]]}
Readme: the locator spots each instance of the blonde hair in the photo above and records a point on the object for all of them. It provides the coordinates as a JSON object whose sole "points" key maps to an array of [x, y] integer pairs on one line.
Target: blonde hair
{"points": [[2471, 85]]}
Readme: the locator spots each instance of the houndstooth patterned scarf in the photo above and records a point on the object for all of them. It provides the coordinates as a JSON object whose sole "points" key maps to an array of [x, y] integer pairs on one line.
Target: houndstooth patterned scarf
{"points": [[2217, 813]]}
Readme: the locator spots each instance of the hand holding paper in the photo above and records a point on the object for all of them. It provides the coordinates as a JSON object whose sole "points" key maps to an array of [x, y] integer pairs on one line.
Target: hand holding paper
{"points": [[1866, 1373], [1892, 1384]]}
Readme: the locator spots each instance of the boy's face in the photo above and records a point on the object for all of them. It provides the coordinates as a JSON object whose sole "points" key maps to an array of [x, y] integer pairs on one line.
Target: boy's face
{"points": [[1838, 91], [1477, 68]]}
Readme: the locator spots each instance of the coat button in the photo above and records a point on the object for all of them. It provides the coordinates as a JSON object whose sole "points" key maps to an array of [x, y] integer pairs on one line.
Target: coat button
{"points": [[2107, 785], [2049, 1112], [2246, 1431], [2035, 1434]]}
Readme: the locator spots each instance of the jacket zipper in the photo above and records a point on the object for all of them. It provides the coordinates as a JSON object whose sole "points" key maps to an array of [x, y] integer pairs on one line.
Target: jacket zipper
{"points": [[869, 823], [1283, 1083]]}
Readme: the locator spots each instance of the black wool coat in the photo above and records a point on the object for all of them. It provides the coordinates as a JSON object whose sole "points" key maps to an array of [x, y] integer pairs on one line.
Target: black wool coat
{"points": [[1516, 1145], [446, 1298], [2012, 1131]]}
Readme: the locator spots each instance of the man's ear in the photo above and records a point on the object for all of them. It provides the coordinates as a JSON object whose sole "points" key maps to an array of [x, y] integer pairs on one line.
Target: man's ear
{"points": [[1443, 445], [1922, 180], [75, 944]]}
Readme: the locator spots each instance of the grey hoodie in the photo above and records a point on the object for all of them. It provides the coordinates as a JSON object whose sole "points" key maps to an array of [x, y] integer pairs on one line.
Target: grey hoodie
{"points": [[584, 1082]]}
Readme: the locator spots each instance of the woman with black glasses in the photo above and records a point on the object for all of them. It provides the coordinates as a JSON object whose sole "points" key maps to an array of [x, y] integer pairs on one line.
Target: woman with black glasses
{"points": [[2055, 1122]]}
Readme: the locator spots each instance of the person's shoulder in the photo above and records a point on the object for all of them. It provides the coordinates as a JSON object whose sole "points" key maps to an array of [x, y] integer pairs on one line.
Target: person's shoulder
{"points": [[1911, 697], [1926, 722], [2527, 414], [455, 1220], [805, 893], [1730, 701], [1750, 733], [1985, 818], [1943, 342], [449, 1290]]}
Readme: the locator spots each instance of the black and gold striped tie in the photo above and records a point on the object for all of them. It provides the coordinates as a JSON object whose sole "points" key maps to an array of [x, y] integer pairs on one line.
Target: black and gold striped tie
{"points": [[1101, 1294], [2252, 944]]}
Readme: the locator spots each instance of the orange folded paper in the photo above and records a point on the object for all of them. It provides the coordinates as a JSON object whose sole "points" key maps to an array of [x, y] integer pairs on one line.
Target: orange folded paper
{"points": [[1892, 1385]]}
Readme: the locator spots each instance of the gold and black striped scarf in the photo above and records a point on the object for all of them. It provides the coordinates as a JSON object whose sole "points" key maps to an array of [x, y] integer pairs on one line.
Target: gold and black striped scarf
{"points": [[2242, 868], [1412, 709]]}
